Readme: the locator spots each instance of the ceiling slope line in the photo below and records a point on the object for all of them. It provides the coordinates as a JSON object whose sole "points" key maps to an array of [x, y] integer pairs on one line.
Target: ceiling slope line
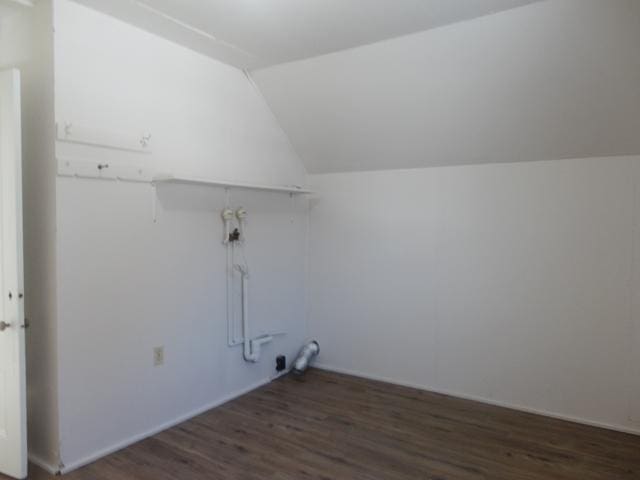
{"points": [[275, 118], [190, 27]]}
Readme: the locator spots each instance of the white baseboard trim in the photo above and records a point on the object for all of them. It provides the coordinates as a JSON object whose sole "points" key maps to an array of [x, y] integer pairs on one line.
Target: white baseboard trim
{"points": [[172, 423], [568, 418], [44, 465]]}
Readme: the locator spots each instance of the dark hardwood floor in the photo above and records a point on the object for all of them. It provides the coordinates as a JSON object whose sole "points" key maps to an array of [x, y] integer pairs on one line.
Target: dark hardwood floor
{"points": [[330, 426]]}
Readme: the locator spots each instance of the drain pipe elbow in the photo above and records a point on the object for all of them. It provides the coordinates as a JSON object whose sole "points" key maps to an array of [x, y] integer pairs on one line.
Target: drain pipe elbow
{"points": [[306, 355], [251, 355], [253, 347]]}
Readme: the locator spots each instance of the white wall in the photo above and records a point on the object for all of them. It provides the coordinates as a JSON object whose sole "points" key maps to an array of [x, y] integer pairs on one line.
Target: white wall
{"points": [[416, 307], [26, 43], [510, 283], [554, 79], [127, 284], [15, 38], [205, 118]]}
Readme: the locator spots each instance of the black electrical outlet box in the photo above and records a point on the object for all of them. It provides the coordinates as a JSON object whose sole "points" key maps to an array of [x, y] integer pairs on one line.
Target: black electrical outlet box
{"points": [[281, 363]]}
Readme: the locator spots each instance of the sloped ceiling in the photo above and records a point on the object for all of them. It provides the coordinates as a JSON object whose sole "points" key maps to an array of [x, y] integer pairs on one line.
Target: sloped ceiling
{"points": [[551, 80], [11, 7], [257, 33]]}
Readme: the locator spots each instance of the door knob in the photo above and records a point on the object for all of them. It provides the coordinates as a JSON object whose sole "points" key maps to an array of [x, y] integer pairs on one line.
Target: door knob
{"points": [[4, 326]]}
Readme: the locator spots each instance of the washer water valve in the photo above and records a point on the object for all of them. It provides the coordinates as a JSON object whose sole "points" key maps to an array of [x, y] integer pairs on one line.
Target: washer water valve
{"points": [[227, 218], [241, 214]]}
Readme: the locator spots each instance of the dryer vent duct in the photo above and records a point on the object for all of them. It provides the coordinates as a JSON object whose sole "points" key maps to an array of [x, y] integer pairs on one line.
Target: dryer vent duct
{"points": [[306, 355]]}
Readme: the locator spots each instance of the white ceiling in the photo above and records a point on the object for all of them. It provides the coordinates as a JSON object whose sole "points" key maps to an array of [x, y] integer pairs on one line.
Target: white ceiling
{"points": [[9, 7], [257, 33], [556, 79]]}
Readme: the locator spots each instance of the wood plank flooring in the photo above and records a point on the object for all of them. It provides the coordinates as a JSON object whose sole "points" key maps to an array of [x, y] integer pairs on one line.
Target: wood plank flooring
{"points": [[330, 426]]}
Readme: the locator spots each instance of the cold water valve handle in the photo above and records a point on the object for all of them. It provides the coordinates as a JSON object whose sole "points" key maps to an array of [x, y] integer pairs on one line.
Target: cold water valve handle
{"points": [[241, 214], [227, 218]]}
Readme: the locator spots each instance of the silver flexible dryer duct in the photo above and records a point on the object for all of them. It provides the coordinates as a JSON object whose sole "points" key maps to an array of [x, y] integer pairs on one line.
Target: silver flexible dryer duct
{"points": [[308, 353]]}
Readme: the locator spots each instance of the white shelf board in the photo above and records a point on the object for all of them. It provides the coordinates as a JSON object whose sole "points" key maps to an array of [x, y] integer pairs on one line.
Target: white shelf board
{"points": [[226, 184]]}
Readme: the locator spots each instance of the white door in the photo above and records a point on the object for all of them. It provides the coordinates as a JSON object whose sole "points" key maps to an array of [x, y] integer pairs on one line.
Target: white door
{"points": [[634, 404], [13, 432]]}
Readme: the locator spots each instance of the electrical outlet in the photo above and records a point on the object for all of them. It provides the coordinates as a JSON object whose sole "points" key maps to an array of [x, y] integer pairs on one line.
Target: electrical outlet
{"points": [[281, 363], [158, 356]]}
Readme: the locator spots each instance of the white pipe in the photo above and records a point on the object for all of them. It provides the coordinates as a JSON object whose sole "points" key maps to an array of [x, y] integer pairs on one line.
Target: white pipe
{"points": [[245, 314], [255, 346], [227, 217], [251, 347], [231, 331]]}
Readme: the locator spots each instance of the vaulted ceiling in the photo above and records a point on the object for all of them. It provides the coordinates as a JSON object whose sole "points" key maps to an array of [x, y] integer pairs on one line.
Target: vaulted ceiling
{"points": [[258, 33], [10, 7], [373, 84], [551, 80]]}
